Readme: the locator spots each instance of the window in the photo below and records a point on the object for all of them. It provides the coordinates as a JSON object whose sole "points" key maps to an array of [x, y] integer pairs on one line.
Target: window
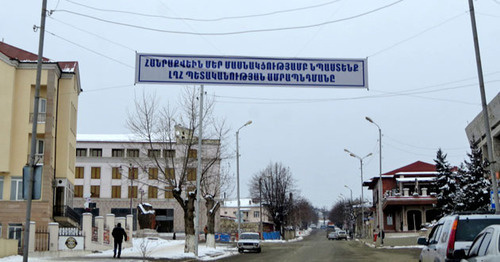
{"points": [[389, 220], [81, 152], [95, 191], [169, 153], [152, 192], [153, 173], [16, 188], [154, 153], [133, 173], [132, 193], [117, 152], [15, 231], [256, 214], [42, 105], [115, 173], [96, 152], [1, 196], [39, 146], [95, 172], [169, 192], [192, 153], [132, 152], [79, 172], [116, 191], [485, 244], [191, 174], [78, 191], [170, 173]]}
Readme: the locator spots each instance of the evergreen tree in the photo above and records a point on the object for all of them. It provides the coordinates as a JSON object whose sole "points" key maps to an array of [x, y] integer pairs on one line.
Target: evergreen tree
{"points": [[475, 183], [446, 184]]}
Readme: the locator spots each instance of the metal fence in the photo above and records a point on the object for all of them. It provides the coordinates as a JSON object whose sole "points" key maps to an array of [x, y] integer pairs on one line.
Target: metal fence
{"points": [[42, 239]]}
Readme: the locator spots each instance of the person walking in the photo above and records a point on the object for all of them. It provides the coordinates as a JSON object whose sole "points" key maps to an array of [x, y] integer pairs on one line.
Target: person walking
{"points": [[118, 235]]}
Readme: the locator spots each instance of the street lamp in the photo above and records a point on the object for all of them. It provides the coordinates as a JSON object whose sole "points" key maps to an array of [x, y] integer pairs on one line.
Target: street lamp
{"points": [[352, 209], [381, 185], [238, 175], [362, 196]]}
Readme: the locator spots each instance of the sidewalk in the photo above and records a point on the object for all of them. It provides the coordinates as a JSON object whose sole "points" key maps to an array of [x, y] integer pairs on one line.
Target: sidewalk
{"points": [[394, 240]]}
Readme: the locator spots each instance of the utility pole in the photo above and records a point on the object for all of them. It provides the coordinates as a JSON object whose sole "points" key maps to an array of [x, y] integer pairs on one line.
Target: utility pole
{"points": [[489, 141], [34, 132], [198, 177]]}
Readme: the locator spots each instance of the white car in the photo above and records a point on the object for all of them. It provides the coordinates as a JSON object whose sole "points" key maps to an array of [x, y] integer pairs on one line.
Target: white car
{"points": [[249, 242], [485, 247], [451, 233], [332, 235]]}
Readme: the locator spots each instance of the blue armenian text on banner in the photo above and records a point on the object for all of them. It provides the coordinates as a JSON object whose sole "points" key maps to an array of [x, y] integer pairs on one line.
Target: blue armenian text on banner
{"points": [[232, 70]]}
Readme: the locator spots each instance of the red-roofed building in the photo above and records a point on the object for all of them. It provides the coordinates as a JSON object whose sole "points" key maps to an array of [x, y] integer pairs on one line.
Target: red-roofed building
{"points": [[408, 198], [55, 139]]}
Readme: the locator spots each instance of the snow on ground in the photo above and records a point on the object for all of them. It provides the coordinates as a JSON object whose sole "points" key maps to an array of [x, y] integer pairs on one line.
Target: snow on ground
{"points": [[153, 247]]}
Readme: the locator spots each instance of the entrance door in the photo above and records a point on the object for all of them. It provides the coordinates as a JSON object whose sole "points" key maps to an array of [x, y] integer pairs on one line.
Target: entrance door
{"points": [[414, 219]]}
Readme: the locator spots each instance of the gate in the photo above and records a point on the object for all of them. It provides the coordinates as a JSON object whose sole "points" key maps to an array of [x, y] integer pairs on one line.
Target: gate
{"points": [[42, 239]]}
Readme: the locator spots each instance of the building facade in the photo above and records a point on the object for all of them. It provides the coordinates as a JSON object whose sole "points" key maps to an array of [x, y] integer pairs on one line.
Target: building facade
{"points": [[408, 197], [115, 173], [55, 137], [250, 210], [476, 130]]}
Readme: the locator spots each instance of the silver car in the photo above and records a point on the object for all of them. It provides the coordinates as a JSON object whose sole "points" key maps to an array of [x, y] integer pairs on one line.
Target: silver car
{"points": [[485, 247], [451, 233], [249, 242]]}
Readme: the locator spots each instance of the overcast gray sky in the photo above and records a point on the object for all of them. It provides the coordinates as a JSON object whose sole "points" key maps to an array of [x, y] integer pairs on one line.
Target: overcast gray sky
{"points": [[423, 87]]}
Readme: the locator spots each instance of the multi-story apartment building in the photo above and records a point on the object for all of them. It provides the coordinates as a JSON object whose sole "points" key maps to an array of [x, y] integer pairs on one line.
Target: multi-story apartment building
{"points": [[114, 173], [476, 130], [56, 138]]}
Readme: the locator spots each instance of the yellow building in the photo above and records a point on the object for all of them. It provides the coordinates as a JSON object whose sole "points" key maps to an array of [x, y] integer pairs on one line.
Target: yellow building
{"points": [[56, 139]]}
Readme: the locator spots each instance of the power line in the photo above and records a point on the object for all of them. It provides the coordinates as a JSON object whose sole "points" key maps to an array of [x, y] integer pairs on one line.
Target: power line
{"points": [[417, 35], [421, 147], [90, 33], [207, 19], [231, 33], [90, 50]]}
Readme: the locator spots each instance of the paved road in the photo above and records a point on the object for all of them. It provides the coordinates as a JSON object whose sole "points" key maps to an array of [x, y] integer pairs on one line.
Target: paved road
{"points": [[317, 248]]}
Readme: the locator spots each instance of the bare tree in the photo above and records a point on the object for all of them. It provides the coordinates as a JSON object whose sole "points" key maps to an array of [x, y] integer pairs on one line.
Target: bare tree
{"points": [[303, 213], [172, 151], [278, 187]]}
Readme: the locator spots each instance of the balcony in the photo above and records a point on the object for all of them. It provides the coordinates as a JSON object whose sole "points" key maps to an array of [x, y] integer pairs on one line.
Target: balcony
{"points": [[395, 198], [66, 216], [41, 117]]}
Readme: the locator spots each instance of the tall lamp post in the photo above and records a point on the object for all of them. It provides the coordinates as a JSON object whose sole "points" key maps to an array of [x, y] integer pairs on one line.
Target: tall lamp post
{"points": [[350, 220], [381, 185], [362, 196], [238, 216]]}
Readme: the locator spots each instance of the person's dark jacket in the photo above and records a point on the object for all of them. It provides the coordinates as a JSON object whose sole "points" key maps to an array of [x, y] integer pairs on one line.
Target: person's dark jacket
{"points": [[118, 234]]}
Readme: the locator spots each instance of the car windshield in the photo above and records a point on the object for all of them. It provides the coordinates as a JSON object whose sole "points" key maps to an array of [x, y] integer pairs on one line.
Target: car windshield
{"points": [[249, 236], [467, 229]]}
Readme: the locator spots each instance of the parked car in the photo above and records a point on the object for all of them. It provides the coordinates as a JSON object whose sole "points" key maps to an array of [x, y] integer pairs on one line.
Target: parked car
{"points": [[341, 234], [332, 235], [249, 242], [485, 247], [451, 233]]}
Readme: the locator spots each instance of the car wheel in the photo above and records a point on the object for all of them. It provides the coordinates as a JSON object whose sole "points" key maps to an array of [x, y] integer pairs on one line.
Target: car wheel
{"points": [[240, 250], [258, 250]]}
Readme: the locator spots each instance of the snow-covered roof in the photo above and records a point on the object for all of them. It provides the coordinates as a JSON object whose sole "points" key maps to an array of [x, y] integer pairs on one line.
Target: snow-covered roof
{"points": [[144, 211], [412, 179], [107, 138], [244, 202]]}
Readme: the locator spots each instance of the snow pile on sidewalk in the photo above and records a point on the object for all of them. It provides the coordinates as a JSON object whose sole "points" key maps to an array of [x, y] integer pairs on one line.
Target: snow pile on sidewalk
{"points": [[158, 248], [151, 248]]}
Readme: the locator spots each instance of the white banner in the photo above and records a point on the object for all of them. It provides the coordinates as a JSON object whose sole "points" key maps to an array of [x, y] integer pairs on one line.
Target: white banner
{"points": [[232, 70]]}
